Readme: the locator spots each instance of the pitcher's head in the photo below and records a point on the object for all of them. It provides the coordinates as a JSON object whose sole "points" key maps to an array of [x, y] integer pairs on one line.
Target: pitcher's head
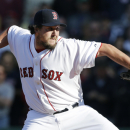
{"points": [[46, 27]]}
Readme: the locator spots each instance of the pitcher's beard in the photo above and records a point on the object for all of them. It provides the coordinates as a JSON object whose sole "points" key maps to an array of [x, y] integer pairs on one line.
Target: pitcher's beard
{"points": [[46, 45]]}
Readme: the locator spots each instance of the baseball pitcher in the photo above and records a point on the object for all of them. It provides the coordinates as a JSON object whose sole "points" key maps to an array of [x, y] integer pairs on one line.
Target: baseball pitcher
{"points": [[50, 68]]}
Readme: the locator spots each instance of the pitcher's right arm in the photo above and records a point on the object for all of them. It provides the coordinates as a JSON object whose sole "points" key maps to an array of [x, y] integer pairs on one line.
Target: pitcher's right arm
{"points": [[3, 39]]}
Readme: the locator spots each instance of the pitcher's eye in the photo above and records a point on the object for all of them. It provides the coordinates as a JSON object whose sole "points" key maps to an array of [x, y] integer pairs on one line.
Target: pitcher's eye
{"points": [[49, 29], [57, 28]]}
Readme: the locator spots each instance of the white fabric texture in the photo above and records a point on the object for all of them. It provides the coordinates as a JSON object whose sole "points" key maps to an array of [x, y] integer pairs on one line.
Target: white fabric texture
{"points": [[79, 118]]}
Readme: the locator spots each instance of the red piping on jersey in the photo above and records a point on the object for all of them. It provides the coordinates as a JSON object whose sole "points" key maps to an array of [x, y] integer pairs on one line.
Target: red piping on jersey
{"points": [[59, 39], [33, 57], [41, 79], [98, 50], [40, 72], [30, 47], [43, 84]]}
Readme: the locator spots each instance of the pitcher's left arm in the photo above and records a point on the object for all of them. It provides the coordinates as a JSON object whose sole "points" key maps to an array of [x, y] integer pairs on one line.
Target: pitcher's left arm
{"points": [[114, 54]]}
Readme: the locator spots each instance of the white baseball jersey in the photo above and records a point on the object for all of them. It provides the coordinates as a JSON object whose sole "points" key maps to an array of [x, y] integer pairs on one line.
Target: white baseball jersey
{"points": [[51, 79]]}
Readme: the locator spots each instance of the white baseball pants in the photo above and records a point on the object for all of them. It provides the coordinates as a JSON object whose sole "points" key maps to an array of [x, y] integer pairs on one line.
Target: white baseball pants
{"points": [[79, 118]]}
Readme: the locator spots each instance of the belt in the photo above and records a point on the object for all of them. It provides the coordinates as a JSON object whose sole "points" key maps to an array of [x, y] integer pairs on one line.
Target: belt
{"points": [[66, 109]]}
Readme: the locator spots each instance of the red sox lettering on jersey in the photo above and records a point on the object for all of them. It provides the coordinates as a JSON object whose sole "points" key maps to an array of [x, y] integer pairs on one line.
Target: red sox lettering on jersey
{"points": [[52, 75]]}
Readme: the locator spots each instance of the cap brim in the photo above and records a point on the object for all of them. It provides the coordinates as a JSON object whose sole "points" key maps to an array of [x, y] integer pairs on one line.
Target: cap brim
{"points": [[55, 24]]}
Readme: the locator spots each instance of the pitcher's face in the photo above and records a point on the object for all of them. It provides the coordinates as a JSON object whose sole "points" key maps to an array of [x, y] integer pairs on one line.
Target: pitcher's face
{"points": [[46, 37]]}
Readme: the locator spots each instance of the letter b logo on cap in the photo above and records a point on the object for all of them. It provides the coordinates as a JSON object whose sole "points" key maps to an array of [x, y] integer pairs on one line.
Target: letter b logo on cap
{"points": [[54, 15]]}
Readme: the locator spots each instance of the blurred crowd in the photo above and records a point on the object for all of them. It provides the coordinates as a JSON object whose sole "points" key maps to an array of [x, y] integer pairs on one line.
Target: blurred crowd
{"points": [[106, 21]]}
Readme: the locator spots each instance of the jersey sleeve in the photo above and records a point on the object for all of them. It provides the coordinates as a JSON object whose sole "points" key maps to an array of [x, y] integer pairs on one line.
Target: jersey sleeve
{"points": [[87, 53], [15, 37], [84, 54]]}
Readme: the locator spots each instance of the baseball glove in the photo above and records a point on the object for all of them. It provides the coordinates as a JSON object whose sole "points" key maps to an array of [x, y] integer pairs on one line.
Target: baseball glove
{"points": [[125, 75]]}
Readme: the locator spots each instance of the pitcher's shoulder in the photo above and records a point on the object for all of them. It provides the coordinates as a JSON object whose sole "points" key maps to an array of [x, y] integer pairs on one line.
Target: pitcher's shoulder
{"points": [[16, 29]]}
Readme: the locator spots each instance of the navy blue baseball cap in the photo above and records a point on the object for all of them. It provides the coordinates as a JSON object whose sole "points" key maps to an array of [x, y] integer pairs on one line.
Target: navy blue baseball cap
{"points": [[47, 17]]}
